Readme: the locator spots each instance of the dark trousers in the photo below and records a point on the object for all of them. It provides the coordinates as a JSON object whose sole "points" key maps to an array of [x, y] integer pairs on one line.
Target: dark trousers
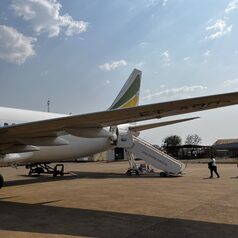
{"points": [[214, 169]]}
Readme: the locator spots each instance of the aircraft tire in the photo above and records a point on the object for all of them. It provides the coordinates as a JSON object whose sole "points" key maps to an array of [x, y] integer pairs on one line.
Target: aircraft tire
{"points": [[54, 174], [163, 174], [1, 181]]}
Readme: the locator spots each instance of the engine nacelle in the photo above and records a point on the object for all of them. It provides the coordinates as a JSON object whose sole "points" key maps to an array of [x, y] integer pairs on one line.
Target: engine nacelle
{"points": [[91, 132], [15, 158]]}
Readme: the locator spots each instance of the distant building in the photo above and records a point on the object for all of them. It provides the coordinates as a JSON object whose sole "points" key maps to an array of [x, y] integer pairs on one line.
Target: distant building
{"points": [[226, 148], [189, 151]]}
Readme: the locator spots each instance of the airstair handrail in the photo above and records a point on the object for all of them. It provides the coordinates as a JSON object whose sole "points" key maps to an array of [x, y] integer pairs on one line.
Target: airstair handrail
{"points": [[155, 149]]}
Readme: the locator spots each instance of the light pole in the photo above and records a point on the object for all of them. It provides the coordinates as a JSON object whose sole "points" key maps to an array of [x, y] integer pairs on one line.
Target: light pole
{"points": [[48, 105]]}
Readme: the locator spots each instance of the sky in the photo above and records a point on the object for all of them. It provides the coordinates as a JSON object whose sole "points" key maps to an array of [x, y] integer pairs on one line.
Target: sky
{"points": [[79, 54]]}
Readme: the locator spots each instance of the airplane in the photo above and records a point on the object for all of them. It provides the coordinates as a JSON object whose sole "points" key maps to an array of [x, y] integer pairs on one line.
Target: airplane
{"points": [[35, 139]]}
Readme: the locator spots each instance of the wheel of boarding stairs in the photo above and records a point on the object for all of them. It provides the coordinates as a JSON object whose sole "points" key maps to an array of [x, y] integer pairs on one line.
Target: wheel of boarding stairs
{"points": [[1, 181], [132, 172], [163, 174]]}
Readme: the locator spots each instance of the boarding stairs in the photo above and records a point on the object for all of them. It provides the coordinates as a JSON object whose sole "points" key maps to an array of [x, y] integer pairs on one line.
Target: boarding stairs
{"points": [[151, 155]]}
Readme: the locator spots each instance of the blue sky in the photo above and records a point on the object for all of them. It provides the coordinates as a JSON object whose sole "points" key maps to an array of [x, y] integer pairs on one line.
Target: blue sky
{"points": [[79, 54]]}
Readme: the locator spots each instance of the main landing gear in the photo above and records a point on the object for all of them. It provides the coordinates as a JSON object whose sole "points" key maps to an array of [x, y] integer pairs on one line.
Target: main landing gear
{"points": [[1, 181], [46, 169]]}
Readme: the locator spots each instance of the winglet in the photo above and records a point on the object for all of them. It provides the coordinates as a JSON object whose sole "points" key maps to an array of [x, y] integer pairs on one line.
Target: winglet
{"points": [[129, 94]]}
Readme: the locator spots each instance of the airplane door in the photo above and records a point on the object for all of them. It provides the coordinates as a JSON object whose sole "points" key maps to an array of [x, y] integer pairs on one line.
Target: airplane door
{"points": [[119, 153]]}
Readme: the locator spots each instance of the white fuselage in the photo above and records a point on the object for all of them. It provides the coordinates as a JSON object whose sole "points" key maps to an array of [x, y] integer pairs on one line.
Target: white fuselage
{"points": [[76, 148]]}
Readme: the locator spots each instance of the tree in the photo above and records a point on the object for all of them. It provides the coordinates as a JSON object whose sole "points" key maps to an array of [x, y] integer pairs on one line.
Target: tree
{"points": [[170, 144], [193, 139], [173, 140]]}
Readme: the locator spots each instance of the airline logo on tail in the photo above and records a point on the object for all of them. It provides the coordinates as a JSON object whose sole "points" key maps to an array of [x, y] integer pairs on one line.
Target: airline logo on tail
{"points": [[129, 94]]}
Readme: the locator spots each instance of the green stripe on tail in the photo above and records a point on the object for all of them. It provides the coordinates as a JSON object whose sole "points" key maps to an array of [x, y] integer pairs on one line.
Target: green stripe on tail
{"points": [[129, 94]]}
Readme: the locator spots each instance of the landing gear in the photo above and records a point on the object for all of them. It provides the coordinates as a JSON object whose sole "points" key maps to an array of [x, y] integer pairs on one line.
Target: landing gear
{"points": [[1, 181], [163, 174], [46, 169]]}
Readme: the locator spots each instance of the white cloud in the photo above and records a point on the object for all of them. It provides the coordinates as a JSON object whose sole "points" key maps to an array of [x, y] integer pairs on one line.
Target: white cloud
{"points": [[44, 16], [163, 86], [231, 83], [139, 65], [166, 58], [231, 6], [143, 44], [151, 3], [219, 29], [207, 53], [164, 2], [14, 46], [186, 59], [206, 56], [113, 65], [183, 91], [147, 91]]}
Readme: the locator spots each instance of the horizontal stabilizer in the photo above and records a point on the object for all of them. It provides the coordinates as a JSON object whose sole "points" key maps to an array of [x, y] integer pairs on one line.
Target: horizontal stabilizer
{"points": [[159, 124]]}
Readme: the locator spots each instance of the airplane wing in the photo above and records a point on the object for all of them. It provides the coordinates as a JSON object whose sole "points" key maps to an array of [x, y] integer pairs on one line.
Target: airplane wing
{"points": [[57, 126], [137, 128]]}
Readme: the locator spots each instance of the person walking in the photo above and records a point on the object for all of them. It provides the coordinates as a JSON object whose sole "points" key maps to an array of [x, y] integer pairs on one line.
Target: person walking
{"points": [[213, 167]]}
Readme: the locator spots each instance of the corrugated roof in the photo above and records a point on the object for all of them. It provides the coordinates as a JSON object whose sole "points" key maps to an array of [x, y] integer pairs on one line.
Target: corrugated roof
{"points": [[225, 141]]}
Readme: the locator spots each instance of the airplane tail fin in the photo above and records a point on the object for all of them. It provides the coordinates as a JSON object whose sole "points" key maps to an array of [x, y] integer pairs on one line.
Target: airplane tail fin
{"points": [[129, 94]]}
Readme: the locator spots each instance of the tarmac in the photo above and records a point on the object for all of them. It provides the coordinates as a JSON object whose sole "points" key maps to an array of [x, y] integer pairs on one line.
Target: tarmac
{"points": [[97, 200]]}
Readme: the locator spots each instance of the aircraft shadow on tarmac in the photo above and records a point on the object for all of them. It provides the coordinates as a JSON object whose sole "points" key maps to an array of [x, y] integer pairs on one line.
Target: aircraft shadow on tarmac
{"points": [[75, 175], [37, 179], [45, 219]]}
